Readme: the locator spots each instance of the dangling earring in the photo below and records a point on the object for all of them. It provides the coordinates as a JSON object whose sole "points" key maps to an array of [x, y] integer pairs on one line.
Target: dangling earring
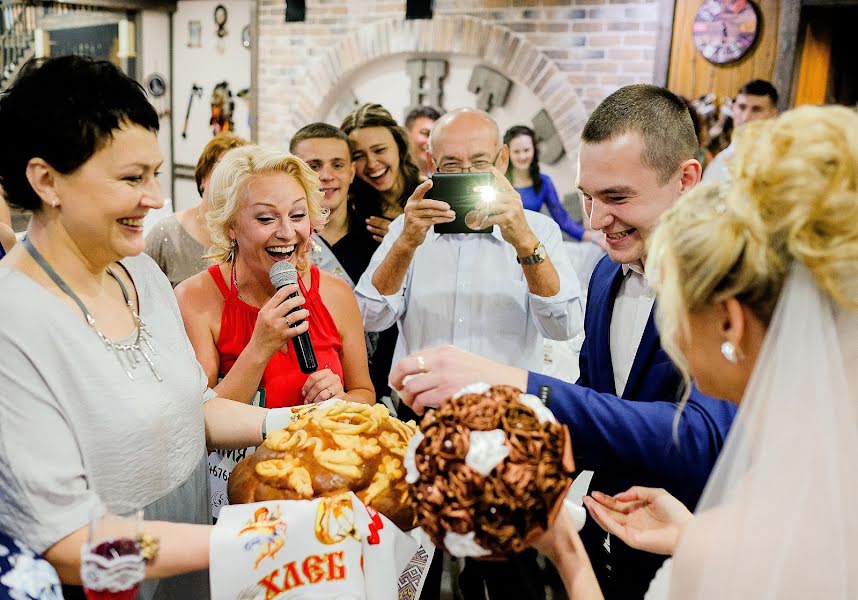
{"points": [[728, 351], [232, 250]]}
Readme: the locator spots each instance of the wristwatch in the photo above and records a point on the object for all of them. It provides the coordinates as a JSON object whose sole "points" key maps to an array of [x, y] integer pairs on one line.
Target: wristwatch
{"points": [[539, 254]]}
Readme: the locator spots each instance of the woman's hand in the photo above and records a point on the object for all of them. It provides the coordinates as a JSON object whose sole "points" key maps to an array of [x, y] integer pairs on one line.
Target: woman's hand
{"points": [[378, 227], [322, 385], [275, 325], [648, 519], [563, 547]]}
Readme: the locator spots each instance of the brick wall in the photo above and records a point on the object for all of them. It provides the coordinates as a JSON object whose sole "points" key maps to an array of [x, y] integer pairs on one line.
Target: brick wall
{"points": [[570, 53]]}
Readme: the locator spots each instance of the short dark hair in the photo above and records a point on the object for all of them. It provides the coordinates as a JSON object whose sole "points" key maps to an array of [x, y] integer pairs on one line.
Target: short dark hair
{"points": [[375, 115], [658, 115], [760, 87], [317, 130], [212, 153], [64, 110], [421, 111]]}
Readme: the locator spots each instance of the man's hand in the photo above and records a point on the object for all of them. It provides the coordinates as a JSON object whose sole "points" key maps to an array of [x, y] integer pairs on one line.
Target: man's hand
{"points": [[421, 214], [427, 378], [507, 212], [648, 519]]}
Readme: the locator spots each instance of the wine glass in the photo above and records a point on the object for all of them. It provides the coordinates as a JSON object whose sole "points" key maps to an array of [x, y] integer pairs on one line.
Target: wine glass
{"points": [[112, 564]]}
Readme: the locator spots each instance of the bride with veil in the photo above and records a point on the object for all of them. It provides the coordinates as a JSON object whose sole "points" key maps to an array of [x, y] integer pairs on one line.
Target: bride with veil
{"points": [[758, 295]]}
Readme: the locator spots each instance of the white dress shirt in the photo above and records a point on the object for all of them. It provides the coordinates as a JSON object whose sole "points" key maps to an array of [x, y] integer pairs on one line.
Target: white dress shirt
{"points": [[717, 171], [468, 290], [631, 311]]}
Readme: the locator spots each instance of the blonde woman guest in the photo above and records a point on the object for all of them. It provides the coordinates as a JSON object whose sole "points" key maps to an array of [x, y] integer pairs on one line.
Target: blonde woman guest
{"points": [[179, 242], [264, 206]]}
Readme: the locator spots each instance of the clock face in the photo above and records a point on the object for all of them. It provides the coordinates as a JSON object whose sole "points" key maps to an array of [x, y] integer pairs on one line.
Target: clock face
{"points": [[724, 30]]}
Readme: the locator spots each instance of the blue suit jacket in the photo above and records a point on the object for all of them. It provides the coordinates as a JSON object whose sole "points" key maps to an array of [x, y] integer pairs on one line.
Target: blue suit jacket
{"points": [[629, 440]]}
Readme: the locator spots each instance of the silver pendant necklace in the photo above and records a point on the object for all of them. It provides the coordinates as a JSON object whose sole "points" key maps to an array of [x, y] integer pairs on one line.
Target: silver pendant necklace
{"points": [[129, 355]]}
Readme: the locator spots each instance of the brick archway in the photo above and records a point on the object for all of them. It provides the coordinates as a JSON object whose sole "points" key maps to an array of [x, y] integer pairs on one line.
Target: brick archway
{"points": [[497, 46]]}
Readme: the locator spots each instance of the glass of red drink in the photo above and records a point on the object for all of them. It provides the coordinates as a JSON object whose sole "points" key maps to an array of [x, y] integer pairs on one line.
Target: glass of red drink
{"points": [[112, 565]]}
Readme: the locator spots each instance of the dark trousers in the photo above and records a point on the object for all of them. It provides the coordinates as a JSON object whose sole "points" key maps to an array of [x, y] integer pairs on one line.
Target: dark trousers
{"points": [[519, 578], [432, 586]]}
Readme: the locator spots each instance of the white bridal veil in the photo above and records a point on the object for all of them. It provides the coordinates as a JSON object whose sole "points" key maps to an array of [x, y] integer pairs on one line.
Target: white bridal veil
{"points": [[778, 518]]}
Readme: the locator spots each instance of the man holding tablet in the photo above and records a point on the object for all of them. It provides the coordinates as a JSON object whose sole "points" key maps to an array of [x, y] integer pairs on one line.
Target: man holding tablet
{"points": [[497, 293], [479, 272]]}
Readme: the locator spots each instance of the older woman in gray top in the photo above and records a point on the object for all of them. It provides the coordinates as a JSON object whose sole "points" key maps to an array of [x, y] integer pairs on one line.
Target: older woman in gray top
{"points": [[103, 406]]}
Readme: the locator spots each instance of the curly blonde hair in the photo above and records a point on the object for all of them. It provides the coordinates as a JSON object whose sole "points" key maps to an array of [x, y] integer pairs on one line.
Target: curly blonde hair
{"points": [[793, 197], [229, 184]]}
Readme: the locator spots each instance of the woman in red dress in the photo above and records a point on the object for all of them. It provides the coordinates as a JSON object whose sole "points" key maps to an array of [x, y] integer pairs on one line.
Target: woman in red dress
{"points": [[264, 206]]}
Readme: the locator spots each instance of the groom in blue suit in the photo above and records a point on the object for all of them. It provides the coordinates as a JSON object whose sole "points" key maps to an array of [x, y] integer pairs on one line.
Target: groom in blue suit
{"points": [[637, 157]]}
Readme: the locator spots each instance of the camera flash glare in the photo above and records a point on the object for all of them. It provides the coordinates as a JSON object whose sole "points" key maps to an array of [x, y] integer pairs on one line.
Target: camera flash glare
{"points": [[487, 194]]}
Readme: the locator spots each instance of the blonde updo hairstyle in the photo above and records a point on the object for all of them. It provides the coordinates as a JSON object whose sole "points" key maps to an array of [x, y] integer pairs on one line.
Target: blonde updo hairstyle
{"points": [[793, 197], [228, 188]]}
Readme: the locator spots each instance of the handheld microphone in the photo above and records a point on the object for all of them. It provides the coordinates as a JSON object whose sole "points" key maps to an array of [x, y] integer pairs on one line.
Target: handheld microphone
{"points": [[281, 274]]}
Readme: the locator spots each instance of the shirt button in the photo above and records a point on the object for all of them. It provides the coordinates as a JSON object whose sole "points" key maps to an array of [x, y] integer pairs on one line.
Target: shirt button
{"points": [[461, 320]]}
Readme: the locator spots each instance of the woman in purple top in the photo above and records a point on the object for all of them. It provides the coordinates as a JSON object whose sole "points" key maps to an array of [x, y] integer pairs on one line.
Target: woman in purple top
{"points": [[534, 187]]}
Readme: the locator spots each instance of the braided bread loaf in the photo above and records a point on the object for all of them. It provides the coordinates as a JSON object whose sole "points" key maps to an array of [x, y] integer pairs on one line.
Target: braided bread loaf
{"points": [[329, 449]]}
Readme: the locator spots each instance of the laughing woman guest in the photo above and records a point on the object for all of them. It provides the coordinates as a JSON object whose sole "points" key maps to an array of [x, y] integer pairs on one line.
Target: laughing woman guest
{"points": [[536, 188], [386, 173], [103, 407], [264, 206]]}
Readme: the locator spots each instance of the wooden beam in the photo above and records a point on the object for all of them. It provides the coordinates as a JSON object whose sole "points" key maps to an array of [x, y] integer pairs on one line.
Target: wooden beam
{"points": [[661, 66], [158, 5], [788, 31]]}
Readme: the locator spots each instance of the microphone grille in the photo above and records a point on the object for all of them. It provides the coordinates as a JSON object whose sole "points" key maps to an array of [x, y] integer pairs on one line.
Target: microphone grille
{"points": [[282, 273]]}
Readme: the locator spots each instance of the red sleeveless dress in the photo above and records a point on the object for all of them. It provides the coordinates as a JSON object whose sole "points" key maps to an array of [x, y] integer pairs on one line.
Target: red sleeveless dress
{"points": [[282, 379]]}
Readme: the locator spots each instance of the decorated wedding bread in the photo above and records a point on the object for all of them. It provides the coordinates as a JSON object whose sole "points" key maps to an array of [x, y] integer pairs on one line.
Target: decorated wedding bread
{"points": [[328, 449]]}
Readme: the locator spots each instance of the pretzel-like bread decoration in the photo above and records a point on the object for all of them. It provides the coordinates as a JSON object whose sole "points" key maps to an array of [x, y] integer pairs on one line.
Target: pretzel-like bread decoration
{"points": [[330, 449]]}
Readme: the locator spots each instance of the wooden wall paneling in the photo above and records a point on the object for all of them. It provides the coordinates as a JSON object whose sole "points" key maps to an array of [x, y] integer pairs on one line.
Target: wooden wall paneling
{"points": [[661, 68], [788, 32], [692, 75], [815, 61]]}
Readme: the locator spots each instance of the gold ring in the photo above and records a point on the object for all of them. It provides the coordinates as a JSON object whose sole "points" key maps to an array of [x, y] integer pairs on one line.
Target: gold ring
{"points": [[421, 364], [287, 321]]}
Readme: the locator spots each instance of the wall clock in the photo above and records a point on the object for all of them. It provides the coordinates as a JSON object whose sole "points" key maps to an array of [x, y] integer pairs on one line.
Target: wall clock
{"points": [[220, 16], [725, 30]]}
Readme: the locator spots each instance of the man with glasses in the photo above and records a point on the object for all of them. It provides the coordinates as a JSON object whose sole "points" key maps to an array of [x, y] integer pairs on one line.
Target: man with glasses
{"points": [[636, 159], [497, 294]]}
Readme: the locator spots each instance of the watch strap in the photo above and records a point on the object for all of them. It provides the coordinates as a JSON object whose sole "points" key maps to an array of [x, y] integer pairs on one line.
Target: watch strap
{"points": [[538, 256]]}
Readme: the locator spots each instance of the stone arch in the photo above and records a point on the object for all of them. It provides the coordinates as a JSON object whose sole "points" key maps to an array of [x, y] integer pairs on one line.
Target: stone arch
{"points": [[497, 46]]}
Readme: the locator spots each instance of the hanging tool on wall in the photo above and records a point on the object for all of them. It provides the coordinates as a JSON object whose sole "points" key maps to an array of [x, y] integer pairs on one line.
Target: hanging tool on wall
{"points": [[196, 91]]}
